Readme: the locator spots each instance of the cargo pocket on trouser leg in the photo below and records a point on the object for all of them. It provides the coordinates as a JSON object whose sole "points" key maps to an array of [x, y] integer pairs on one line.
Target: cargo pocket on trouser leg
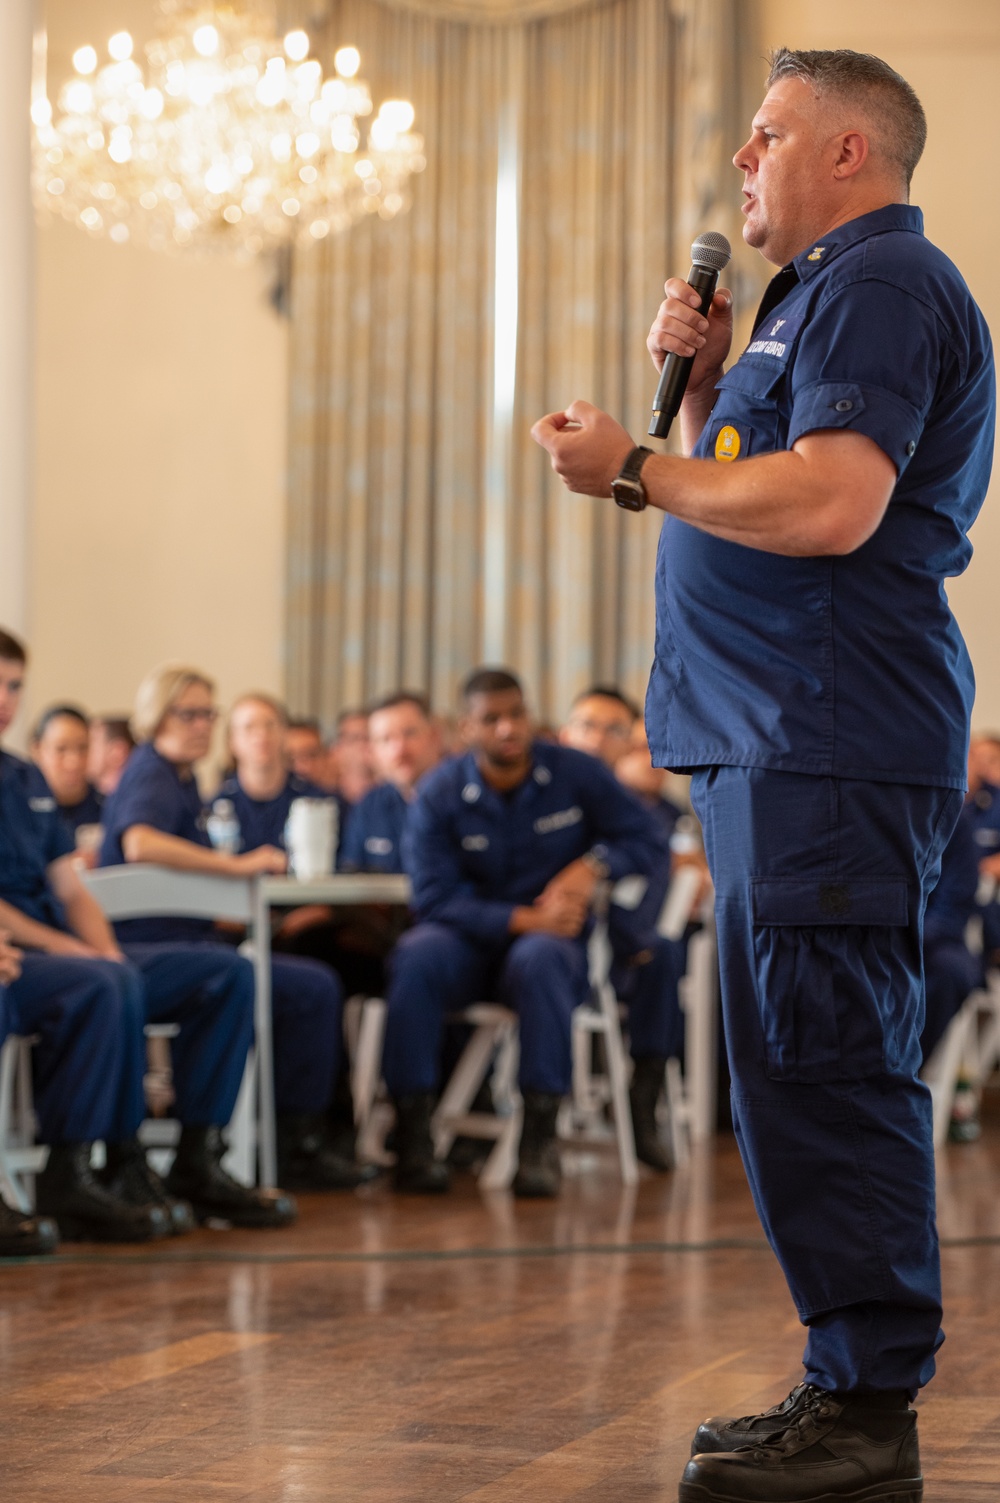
{"points": [[838, 976]]}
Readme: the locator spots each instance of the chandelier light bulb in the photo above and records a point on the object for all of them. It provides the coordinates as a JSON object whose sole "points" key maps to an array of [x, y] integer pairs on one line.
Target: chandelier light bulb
{"points": [[399, 114], [206, 41], [85, 60], [297, 46], [347, 61], [120, 46]]}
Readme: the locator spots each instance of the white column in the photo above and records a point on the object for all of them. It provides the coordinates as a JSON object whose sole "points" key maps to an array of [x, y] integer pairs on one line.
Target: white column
{"points": [[17, 310]]}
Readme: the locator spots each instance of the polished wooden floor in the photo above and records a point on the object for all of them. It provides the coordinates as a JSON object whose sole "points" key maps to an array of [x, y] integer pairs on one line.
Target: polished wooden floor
{"points": [[400, 1351]]}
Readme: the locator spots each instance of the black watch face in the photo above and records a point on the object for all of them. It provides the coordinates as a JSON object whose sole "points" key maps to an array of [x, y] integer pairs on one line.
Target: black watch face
{"points": [[629, 494]]}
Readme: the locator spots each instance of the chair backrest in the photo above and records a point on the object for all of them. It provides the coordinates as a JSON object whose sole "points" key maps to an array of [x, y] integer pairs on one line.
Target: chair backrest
{"points": [[140, 890]]}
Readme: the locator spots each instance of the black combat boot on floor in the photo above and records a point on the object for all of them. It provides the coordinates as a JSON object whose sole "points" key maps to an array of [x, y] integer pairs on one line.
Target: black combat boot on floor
{"points": [[25, 1236], [836, 1448], [129, 1175], [644, 1092], [417, 1171], [86, 1210], [306, 1160], [723, 1433], [539, 1174], [197, 1175]]}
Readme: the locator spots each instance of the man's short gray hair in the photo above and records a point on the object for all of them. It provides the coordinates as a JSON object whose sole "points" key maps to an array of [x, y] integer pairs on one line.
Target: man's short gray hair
{"points": [[899, 126]]}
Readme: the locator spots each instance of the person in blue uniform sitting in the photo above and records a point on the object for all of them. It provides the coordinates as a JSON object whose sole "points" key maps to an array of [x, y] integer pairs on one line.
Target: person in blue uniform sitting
{"points": [[984, 812], [505, 846], [60, 744], [647, 966], [20, 1235], [404, 748], [951, 971], [75, 975], [156, 814], [258, 797]]}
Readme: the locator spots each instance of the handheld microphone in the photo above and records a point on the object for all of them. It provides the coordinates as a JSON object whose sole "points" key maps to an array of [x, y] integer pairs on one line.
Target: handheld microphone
{"points": [[710, 254]]}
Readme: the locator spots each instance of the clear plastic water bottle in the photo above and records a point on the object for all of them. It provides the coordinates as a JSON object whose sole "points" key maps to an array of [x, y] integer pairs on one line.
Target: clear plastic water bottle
{"points": [[224, 827]]}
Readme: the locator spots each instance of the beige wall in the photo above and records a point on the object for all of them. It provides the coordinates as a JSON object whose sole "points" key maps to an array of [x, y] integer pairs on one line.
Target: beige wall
{"points": [[159, 518], [950, 53]]}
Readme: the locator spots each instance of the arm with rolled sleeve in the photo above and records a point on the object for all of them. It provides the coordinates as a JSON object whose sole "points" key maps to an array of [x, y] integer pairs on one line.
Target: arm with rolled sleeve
{"points": [[440, 890]]}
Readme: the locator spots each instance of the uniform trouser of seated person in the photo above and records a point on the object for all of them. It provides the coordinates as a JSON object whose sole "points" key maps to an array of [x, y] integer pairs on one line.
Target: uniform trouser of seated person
{"points": [[821, 886], [951, 973], [645, 977], [433, 971], [307, 1005], [87, 1063]]}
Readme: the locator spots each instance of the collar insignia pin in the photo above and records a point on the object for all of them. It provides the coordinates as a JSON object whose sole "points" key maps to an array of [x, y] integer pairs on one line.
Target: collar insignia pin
{"points": [[816, 253]]}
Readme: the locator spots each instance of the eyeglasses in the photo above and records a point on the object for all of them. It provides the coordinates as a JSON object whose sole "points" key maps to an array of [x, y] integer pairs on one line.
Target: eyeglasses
{"points": [[595, 728], [191, 717]]}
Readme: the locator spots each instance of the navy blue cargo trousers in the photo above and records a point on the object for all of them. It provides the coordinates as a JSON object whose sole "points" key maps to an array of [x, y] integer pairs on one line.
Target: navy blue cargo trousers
{"points": [[821, 885]]}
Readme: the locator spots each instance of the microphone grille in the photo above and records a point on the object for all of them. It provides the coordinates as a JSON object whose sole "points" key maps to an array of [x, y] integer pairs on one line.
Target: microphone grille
{"points": [[711, 249]]}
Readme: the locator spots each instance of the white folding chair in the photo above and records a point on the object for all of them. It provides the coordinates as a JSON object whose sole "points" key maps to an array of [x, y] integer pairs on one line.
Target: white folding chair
{"points": [[969, 1049], [142, 890], [20, 1157]]}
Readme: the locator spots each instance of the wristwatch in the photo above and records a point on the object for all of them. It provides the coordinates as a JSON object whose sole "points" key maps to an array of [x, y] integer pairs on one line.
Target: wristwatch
{"points": [[627, 488]]}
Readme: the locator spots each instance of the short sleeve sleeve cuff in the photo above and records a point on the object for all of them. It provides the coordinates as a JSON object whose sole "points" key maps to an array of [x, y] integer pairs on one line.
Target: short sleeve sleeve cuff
{"points": [[880, 415]]}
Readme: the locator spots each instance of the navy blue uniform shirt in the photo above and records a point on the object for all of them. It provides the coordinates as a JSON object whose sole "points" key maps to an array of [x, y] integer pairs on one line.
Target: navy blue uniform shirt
{"points": [[262, 821], [153, 792], [475, 855], [32, 836], [373, 837], [89, 811], [847, 666]]}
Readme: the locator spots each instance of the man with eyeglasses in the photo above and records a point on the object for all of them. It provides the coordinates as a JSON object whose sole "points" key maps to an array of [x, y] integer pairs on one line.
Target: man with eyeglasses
{"points": [[647, 966]]}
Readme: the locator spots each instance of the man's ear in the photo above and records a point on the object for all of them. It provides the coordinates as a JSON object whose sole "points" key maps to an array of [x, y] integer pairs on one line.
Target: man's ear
{"points": [[852, 154]]}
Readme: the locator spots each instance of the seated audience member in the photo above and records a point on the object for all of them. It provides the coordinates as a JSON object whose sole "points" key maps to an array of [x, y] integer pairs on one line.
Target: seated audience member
{"points": [[264, 786], [157, 815], [20, 1235], [404, 747], [505, 846], [350, 756], [647, 966], [951, 971], [111, 745], [307, 756], [60, 744], [984, 812], [87, 1005]]}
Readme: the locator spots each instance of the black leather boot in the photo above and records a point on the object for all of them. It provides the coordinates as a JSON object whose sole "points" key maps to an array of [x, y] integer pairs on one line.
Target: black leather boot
{"points": [[129, 1175], [86, 1210], [644, 1092], [417, 1171], [25, 1236], [306, 1161], [724, 1433], [834, 1448], [539, 1173], [197, 1175]]}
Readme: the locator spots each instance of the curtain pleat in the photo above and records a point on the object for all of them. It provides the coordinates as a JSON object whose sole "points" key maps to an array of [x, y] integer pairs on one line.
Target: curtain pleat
{"points": [[625, 115]]}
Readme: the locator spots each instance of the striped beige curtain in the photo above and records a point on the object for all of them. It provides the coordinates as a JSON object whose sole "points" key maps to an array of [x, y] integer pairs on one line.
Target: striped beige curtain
{"points": [[422, 537]]}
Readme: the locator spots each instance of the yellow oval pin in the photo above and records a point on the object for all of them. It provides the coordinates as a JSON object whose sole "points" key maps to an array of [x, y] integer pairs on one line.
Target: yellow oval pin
{"points": [[727, 445]]}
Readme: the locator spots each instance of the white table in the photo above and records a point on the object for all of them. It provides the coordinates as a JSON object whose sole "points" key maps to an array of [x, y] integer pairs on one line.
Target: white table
{"points": [[288, 892]]}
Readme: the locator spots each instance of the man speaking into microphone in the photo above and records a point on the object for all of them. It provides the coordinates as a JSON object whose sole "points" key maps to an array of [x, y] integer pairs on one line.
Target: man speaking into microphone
{"points": [[809, 674]]}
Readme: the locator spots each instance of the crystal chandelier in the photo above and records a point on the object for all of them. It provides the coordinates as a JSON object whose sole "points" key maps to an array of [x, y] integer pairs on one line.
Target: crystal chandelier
{"points": [[230, 139]]}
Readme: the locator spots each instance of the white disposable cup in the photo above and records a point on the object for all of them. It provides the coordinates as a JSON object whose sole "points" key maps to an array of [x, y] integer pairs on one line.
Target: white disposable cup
{"points": [[311, 837]]}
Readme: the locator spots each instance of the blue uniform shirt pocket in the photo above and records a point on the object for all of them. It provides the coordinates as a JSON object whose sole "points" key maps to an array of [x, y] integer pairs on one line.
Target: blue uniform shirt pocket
{"points": [[834, 977], [745, 418]]}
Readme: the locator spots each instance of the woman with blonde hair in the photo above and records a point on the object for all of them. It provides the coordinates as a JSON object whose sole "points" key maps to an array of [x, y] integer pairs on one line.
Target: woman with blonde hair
{"points": [[157, 815]]}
